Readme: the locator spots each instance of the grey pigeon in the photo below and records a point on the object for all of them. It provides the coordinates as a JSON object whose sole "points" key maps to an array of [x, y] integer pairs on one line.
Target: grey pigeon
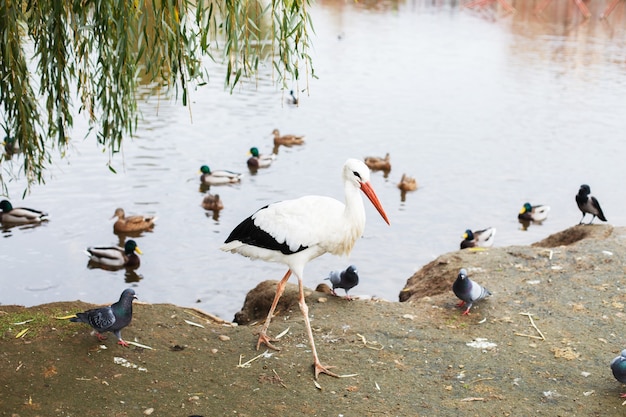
{"points": [[347, 279], [618, 366], [110, 319], [588, 204], [468, 291]]}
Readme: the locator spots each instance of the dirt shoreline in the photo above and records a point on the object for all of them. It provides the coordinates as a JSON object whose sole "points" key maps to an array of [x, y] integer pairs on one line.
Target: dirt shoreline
{"points": [[415, 358]]}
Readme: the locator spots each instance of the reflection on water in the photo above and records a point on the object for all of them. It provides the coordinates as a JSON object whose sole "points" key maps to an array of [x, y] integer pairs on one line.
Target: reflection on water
{"points": [[486, 109]]}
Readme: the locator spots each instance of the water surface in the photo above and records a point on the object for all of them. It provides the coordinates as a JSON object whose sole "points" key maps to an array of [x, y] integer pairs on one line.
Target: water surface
{"points": [[487, 110]]}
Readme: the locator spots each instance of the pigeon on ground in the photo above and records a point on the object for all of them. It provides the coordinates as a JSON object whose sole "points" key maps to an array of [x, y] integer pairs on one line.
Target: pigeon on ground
{"points": [[618, 366], [110, 319], [588, 204], [347, 279], [468, 291]]}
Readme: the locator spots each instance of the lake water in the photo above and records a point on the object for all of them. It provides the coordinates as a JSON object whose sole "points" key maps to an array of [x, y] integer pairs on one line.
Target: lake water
{"points": [[486, 109]]}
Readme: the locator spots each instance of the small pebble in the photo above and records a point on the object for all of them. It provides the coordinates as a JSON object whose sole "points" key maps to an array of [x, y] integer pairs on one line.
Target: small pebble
{"points": [[213, 350], [322, 300], [148, 411], [224, 338]]}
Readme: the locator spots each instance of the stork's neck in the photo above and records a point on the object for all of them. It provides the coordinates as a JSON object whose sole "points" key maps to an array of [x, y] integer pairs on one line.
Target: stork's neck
{"points": [[354, 212]]}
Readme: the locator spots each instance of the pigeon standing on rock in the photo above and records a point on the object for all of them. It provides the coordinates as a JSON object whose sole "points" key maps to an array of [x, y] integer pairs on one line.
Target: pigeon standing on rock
{"points": [[618, 366], [110, 319], [588, 204], [468, 291], [344, 279]]}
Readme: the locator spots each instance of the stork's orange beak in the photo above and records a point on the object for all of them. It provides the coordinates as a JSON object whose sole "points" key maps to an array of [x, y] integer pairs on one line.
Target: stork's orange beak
{"points": [[367, 189]]}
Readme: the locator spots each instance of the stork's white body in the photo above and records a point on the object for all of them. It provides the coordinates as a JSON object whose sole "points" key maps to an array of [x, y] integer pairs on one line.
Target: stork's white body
{"points": [[293, 232]]}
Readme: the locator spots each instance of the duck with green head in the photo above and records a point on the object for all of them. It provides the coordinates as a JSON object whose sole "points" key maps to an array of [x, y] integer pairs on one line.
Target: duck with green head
{"points": [[114, 256], [257, 160], [20, 215], [218, 177], [536, 213], [478, 238]]}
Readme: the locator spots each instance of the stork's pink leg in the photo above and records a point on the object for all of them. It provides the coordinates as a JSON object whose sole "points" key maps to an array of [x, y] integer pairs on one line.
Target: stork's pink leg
{"points": [[263, 338], [609, 9], [317, 366]]}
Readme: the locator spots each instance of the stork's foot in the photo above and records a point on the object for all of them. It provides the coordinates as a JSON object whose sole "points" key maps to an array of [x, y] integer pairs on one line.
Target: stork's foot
{"points": [[321, 369], [267, 341]]}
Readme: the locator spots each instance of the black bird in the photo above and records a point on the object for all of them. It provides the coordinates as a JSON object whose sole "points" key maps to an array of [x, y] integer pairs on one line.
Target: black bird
{"points": [[588, 204], [468, 291], [110, 319], [618, 366], [347, 279]]}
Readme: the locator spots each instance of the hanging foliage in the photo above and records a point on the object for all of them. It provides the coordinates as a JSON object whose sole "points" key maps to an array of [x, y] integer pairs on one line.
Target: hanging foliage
{"points": [[58, 57]]}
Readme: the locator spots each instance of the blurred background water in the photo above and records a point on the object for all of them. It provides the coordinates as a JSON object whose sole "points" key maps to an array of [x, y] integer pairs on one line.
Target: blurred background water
{"points": [[486, 109]]}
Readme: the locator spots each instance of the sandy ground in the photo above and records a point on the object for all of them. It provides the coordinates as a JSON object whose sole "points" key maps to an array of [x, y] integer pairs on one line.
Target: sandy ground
{"points": [[415, 358]]}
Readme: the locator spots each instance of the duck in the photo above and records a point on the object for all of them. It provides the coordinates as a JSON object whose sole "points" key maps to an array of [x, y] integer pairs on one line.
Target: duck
{"points": [[260, 161], [407, 183], [292, 99], [218, 177], [212, 202], [478, 238], [537, 213], [376, 163], [20, 215], [114, 256], [128, 224], [287, 140]]}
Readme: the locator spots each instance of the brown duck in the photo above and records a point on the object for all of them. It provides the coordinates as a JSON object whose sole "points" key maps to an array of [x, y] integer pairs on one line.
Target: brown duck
{"points": [[407, 183], [131, 223], [376, 163], [287, 140]]}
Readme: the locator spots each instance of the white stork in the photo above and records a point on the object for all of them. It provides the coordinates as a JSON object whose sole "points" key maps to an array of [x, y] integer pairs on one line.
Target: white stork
{"points": [[293, 232]]}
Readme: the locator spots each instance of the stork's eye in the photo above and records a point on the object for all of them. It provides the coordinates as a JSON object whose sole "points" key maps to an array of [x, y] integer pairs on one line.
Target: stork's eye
{"points": [[356, 174]]}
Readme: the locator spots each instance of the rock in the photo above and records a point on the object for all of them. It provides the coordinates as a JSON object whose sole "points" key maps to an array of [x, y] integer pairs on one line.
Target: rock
{"points": [[259, 300]]}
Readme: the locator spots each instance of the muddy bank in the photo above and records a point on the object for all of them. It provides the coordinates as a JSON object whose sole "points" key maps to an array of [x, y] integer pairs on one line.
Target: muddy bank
{"points": [[415, 358]]}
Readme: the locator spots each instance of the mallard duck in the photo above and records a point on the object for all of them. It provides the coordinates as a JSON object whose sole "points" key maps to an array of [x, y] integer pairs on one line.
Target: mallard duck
{"points": [[128, 224], [114, 256], [536, 213], [260, 161], [218, 177], [20, 215], [478, 238], [287, 140], [378, 164], [407, 183], [212, 202]]}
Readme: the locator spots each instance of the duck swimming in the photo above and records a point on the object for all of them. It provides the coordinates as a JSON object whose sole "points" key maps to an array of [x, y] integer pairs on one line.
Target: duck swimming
{"points": [[128, 224], [209, 177], [259, 161], [478, 238], [287, 140], [114, 256], [20, 215], [376, 163]]}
